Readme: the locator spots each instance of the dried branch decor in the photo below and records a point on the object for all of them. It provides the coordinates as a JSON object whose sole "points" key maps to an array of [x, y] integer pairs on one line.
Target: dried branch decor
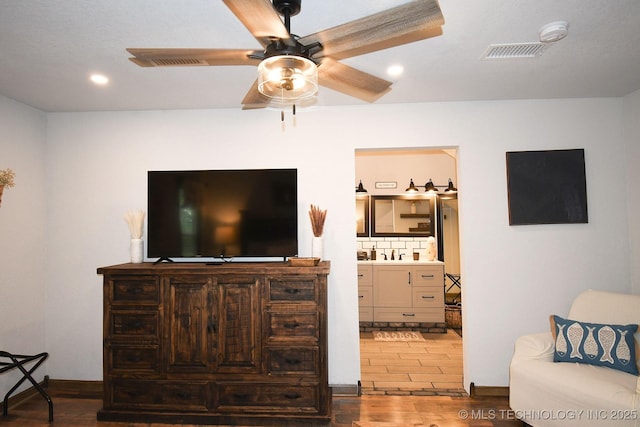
{"points": [[7, 178], [317, 220], [135, 221]]}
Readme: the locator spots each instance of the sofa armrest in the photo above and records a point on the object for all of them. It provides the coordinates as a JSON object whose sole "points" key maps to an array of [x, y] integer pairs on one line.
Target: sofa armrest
{"points": [[540, 346]]}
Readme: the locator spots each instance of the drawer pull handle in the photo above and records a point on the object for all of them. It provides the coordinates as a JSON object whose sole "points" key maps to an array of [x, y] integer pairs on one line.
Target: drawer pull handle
{"points": [[292, 396], [360, 296], [183, 395], [428, 276], [134, 359], [240, 396], [135, 325], [409, 314], [360, 275], [136, 290], [291, 325], [292, 291], [293, 361], [428, 297]]}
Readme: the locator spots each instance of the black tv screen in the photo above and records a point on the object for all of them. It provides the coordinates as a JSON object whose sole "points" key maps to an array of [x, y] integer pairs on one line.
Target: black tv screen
{"points": [[222, 213]]}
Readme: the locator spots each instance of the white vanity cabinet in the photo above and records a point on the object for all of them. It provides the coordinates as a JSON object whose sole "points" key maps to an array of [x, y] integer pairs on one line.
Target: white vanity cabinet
{"points": [[408, 293], [365, 292]]}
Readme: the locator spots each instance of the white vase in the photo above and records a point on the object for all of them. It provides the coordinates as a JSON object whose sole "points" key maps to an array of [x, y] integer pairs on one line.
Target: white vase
{"points": [[137, 251], [316, 247]]}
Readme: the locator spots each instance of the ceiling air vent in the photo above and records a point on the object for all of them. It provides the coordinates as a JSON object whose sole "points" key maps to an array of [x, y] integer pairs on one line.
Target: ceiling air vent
{"points": [[513, 50]]}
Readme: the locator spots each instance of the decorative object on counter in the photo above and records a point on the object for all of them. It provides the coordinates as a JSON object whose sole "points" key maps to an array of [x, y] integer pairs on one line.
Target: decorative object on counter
{"points": [[303, 262], [318, 218], [7, 177], [412, 187], [416, 256], [431, 248], [360, 188], [429, 187], [373, 253], [135, 221]]}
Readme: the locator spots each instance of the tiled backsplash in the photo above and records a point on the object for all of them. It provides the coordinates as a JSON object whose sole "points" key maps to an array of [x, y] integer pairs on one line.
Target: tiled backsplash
{"points": [[402, 245]]}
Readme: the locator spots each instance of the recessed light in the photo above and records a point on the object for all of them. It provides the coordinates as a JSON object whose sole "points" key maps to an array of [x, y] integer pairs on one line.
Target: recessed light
{"points": [[99, 79], [395, 70]]}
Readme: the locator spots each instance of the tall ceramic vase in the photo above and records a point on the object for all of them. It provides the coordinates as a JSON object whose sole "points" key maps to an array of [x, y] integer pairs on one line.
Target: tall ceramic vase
{"points": [[316, 247], [137, 251]]}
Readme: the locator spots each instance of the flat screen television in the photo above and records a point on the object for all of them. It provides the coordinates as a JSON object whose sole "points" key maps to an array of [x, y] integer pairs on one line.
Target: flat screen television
{"points": [[222, 214]]}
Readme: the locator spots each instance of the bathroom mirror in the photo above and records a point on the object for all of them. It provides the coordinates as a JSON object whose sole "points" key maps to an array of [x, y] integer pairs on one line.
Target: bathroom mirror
{"points": [[403, 215], [362, 215]]}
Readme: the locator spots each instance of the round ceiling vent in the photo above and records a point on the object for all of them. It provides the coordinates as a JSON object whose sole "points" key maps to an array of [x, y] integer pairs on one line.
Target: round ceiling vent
{"points": [[554, 31]]}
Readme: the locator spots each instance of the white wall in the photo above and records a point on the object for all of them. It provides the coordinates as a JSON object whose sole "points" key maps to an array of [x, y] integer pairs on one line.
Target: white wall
{"points": [[22, 235], [632, 154], [514, 276]]}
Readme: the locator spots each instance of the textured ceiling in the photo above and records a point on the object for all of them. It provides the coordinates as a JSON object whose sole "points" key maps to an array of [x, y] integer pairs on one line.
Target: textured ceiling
{"points": [[49, 48]]}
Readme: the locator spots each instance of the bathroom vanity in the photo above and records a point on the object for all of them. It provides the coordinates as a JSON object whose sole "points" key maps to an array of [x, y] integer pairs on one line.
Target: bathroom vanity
{"points": [[401, 292]]}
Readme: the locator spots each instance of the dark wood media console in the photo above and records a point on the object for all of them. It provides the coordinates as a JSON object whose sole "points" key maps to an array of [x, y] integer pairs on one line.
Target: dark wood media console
{"points": [[236, 343]]}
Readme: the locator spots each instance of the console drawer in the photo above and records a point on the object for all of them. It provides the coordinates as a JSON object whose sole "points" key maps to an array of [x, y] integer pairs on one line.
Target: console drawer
{"points": [[296, 288], [267, 398], [134, 325], [293, 360], [177, 396], [130, 358], [139, 290], [292, 326]]}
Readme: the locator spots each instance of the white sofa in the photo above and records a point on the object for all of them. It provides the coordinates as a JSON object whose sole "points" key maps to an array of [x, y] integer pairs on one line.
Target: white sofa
{"points": [[547, 393]]}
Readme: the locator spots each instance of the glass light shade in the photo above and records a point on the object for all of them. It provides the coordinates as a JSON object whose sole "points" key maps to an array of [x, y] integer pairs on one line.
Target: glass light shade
{"points": [[287, 77]]}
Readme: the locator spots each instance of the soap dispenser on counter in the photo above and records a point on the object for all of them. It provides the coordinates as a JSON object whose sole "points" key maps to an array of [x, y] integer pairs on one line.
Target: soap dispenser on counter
{"points": [[373, 253]]}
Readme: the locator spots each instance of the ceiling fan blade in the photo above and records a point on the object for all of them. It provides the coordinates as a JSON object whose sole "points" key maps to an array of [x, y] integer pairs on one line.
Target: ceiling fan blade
{"points": [[404, 24], [260, 18], [348, 80], [254, 99], [192, 57]]}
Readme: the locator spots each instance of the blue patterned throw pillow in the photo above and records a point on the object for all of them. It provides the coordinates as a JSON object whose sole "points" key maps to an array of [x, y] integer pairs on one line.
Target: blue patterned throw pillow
{"points": [[612, 346]]}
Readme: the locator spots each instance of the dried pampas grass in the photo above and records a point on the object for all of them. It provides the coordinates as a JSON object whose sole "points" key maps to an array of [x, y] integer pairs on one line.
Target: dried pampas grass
{"points": [[317, 217], [135, 221]]}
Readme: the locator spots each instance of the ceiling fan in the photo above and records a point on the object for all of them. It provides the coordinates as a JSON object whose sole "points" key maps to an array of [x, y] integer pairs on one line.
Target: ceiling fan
{"points": [[291, 67]]}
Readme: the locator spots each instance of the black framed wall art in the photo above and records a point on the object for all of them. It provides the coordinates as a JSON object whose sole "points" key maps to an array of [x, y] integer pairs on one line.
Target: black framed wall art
{"points": [[547, 187]]}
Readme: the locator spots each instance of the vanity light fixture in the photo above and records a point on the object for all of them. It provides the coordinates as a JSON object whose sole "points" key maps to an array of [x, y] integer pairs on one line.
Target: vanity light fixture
{"points": [[450, 188], [429, 187], [412, 186], [360, 188]]}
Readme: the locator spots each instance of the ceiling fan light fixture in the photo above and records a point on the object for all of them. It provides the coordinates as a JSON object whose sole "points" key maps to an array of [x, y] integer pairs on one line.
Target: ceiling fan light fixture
{"points": [[288, 77]]}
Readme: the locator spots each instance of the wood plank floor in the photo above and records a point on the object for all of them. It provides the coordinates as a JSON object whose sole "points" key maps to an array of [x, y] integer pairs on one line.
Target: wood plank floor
{"points": [[429, 367], [364, 411]]}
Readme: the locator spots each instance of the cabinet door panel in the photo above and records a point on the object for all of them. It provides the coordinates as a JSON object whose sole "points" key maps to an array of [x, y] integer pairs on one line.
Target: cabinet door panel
{"points": [[237, 336], [392, 287], [191, 302]]}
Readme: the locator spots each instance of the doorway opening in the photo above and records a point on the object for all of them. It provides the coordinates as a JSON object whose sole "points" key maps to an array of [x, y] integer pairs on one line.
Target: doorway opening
{"points": [[432, 364]]}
